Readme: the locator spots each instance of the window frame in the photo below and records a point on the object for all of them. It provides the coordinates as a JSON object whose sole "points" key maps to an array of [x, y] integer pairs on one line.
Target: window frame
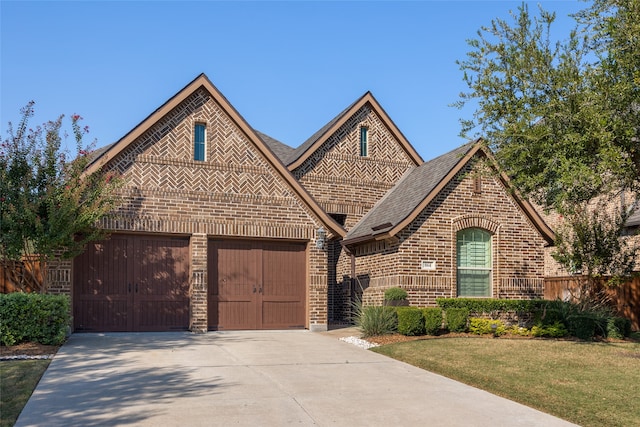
{"points": [[364, 141], [199, 147], [467, 290]]}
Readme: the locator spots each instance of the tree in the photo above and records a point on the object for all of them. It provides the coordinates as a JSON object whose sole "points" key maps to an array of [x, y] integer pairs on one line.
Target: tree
{"points": [[49, 206], [563, 119]]}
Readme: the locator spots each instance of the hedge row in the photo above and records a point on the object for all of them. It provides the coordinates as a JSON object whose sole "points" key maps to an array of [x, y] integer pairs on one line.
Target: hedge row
{"points": [[488, 305], [33, 317], [419, 321]]}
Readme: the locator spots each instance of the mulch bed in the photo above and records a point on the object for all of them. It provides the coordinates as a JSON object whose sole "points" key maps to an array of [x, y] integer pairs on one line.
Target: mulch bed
{"points": [[398, 338]]}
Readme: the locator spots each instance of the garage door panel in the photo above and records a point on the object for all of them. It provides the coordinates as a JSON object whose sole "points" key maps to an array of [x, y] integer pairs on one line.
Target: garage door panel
{"points": [[99, 314], [132, 283], [162, 315], [281, 314], [256, 284], [237, 315]]}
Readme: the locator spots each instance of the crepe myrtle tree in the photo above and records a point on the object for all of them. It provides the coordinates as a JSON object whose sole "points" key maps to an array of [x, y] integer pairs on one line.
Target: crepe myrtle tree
{"points": [[49, 205], [563, 119]]}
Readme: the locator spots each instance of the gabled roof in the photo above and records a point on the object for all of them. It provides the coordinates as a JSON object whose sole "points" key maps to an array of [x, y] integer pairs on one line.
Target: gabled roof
{"points": [[307, 148], [280, 149], [417, 188], [108, 153]]}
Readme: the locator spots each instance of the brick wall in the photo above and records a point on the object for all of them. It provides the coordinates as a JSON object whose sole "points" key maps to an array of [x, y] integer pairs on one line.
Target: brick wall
{"points": [[235, 192], [517, 248], [343, 182]]}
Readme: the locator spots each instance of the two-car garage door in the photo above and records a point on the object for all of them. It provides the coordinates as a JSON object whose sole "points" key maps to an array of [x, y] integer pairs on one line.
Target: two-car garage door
{"points": [[141, 283]]}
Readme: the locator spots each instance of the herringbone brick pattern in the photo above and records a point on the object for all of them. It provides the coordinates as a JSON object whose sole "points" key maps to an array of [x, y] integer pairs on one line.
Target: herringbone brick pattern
{"points": [[235, 192], [339, 156], [343, 182]]}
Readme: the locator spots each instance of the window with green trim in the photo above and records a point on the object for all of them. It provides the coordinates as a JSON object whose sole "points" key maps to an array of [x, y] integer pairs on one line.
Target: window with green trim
{"points": [[199, 145], [364, 142], [473, 250]]}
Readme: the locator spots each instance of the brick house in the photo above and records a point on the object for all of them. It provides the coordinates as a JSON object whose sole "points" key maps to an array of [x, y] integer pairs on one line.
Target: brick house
{"points": [[223, 227]]}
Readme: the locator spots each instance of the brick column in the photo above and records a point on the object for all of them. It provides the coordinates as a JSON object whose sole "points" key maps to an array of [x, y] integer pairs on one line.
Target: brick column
{"points": [[198, 310]]}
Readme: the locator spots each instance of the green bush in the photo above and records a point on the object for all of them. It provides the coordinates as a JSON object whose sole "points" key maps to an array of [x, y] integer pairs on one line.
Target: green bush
{"points": [[456, 319], [488, 305], [518, 330], [377, 320], [582, 325], [481, 326], [33, 317], [395, 294], [555, 330], [618, 327], [410, 321], [432, 320]]}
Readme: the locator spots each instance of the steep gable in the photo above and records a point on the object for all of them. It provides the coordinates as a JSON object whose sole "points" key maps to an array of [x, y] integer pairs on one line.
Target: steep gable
{"points": [[344, 181], [418, 188], [240, 168]]}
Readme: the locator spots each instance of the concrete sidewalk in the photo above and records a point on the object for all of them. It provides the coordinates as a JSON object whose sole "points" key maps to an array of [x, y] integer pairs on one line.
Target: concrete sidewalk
{"points": [[257, 378]]}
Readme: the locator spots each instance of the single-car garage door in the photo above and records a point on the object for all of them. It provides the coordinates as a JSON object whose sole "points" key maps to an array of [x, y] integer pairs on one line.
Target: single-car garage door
{"points": [[256, 284], [132, 283]]}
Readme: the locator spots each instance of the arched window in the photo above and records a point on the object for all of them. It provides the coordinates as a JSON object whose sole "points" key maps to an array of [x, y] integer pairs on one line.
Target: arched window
{"points": [[474, 262]]}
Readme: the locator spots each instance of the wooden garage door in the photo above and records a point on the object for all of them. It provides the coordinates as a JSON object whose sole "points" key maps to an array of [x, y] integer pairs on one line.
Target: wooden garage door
{"points": [[132, 283], [256, 285]]}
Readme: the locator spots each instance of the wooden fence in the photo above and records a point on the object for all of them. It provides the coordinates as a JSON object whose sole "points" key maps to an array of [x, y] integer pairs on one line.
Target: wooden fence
{"points": [[625, 297], [17, 277]]}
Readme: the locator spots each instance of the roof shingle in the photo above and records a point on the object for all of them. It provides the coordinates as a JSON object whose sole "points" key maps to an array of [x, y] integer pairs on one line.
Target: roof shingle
{"points": [[407, 194]]}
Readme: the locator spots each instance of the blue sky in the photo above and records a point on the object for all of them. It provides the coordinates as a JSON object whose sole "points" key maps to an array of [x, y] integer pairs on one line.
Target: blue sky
{"points": [[287, 67]]}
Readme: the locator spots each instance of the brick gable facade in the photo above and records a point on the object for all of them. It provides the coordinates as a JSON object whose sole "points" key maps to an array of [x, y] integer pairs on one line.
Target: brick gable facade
{"points": [[347, 184], [242, 191], [517, 248]]}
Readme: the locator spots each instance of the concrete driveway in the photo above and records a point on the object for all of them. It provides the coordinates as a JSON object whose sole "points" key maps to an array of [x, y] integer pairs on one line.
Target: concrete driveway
{"points": [[271, 378]]}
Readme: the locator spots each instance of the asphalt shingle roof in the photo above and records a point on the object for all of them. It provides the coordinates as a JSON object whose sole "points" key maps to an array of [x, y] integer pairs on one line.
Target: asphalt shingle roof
{"points": [[406, 195], [299, 151], [280, 149]]}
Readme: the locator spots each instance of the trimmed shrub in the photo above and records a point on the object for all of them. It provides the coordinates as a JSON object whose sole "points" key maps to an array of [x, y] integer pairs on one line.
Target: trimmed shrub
{"points": [[488, 305], [410, 321], [377, 320], [395, 294], [456, 319], [618, 327], [481, 326], [33, 317], [555, 330], [549, 316], [582, 326], [432, 320]]}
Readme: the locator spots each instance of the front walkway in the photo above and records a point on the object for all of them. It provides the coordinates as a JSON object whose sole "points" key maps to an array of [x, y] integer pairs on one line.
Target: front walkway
{"points": [[271, 378]]}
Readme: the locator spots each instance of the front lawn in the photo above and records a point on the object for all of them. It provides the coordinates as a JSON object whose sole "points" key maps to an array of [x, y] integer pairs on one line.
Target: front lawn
{"points": [[590, 384], [18, 379]]}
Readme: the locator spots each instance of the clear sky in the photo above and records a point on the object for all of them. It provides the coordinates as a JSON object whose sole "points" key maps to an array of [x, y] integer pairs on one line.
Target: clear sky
{"points": [[288, 67]]}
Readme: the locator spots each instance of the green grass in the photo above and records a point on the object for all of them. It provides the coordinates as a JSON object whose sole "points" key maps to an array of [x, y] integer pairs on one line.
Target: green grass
{"points": [[590, 384], [18, 379]]}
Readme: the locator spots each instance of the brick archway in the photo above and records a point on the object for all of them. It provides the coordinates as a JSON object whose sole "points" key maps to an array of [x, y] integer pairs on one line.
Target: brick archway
{"points": [[474, 221]]}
